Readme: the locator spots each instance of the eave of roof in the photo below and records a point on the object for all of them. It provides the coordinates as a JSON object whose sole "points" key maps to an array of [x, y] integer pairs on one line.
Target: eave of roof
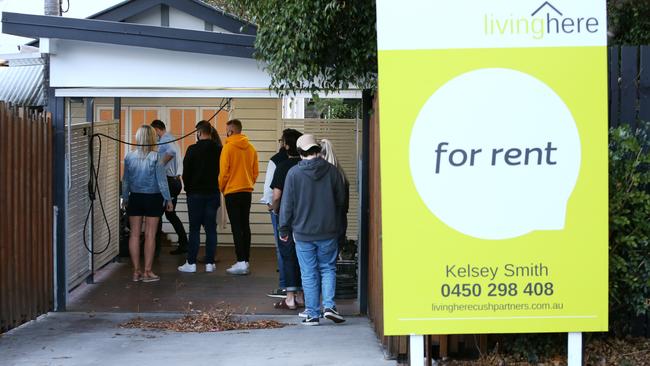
{"points": [[101, 31], [213, 15]]}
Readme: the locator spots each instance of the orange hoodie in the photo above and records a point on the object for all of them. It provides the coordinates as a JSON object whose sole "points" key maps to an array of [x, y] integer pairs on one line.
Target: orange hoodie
{"points": [[238, 167]]}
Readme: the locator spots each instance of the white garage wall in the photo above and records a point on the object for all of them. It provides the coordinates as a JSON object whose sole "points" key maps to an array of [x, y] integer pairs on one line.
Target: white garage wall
{"points": [[78, 64]]}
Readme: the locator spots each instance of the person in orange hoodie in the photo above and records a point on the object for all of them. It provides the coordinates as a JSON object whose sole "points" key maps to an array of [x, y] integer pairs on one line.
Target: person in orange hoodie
{"points": [[238, 171]]}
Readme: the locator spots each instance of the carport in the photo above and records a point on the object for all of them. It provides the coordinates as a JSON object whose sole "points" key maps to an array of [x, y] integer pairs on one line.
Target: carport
{"points": [[107, 74]]}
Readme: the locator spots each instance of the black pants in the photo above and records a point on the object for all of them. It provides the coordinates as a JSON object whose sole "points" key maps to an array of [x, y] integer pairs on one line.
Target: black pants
{"points": [[238, 206], [175, 188]]}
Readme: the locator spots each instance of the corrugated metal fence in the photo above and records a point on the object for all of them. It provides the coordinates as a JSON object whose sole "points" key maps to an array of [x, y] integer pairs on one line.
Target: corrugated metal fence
{"points": [[26, 222]]}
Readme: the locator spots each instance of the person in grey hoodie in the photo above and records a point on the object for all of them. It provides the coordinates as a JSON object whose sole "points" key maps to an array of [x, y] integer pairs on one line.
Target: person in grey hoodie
{"points": [[313, 197]]}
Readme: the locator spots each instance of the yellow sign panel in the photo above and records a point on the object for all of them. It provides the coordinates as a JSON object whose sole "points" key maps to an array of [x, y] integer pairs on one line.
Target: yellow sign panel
{"points": [[494, 181]]}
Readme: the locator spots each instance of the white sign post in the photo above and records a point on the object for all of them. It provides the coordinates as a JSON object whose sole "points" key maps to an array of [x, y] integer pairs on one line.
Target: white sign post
{"points": [[416, 350], [574, 348]]}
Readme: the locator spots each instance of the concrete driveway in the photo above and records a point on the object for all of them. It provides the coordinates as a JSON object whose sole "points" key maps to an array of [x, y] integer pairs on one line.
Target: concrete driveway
{"points": [[96, 339]]}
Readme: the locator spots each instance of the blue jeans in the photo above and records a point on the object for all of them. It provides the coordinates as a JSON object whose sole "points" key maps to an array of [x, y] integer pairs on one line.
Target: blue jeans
{"points": [[318, 268], [202, 211], [276, 235]]}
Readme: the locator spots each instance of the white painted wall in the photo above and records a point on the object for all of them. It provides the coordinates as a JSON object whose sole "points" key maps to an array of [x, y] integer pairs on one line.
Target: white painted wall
{"points": [[95, 65], [179, 19], [147, 17], [219, 29]]}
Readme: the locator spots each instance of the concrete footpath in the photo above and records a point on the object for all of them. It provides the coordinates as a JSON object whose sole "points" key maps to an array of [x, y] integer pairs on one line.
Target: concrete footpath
{"points": [[96, 339]]}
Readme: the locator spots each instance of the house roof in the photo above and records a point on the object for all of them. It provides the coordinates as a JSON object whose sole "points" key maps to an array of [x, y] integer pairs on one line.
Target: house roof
{"points": [[22, 82], [213, 15], [114, 32]]}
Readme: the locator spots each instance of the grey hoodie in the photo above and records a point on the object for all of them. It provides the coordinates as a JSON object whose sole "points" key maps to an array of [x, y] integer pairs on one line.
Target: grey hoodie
{"points": [[312, 199]]}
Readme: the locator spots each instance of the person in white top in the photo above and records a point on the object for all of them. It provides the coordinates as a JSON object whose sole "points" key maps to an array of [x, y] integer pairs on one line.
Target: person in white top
{"points": [[171, 156], [267, 199]]}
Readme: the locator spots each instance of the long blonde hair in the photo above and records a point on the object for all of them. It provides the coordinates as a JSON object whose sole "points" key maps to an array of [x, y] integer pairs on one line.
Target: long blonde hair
{"points": [[327, 153], [145, 135]]}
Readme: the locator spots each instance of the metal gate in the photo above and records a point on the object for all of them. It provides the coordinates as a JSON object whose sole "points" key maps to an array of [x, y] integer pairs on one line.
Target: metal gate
{"points": [[80, 263]]}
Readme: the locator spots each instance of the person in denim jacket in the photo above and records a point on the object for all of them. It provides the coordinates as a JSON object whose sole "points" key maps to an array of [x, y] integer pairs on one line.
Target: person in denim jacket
{"points": [[145, 194]]}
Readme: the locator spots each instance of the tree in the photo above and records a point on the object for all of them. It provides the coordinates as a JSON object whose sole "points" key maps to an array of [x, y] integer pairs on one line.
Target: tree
{"points": [[629, 21], [629, 228], [314, 45], [329, 45]]}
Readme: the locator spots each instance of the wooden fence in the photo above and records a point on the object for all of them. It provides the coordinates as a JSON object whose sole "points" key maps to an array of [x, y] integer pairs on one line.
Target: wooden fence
{"points": [[398, 347], [394, 346], [26, 284], [629, 102]]}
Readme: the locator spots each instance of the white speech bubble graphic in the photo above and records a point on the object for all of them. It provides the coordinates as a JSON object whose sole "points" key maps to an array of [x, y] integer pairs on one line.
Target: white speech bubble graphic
{"points": [[495, 154]]}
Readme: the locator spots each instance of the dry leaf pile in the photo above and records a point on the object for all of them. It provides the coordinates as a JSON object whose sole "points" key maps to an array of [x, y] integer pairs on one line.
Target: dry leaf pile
{"points": [[218, 320], [618, 352], [609, 352], [502, 360]]}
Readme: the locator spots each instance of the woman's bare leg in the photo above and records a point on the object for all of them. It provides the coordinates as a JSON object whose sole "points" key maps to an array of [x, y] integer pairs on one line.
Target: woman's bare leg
{"points": [[150, 228], [135, 224]]}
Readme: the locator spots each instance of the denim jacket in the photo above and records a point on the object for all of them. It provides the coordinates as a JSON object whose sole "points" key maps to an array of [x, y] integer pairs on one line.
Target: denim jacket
{"points": [[144, 174]]}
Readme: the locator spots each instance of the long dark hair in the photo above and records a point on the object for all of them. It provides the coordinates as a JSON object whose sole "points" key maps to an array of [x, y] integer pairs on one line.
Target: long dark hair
{"points": [[290, 136], [215, 137]]}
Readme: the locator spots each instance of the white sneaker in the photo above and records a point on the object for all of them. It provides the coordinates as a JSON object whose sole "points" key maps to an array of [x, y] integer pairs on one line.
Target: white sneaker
{"points": [[210, 267], [239, 269], [189, 268], [303, 314]]}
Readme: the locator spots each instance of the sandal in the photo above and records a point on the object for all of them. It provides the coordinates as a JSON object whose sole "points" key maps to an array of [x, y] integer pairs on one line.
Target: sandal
{"points": [[151, 277], [137, 276], [283, 305]]}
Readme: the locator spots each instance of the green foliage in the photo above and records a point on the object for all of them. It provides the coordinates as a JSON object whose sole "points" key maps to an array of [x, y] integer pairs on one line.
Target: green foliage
{"points": [[629, 21], [315, 45], [332, 44], [629, 225], [533, 348], [334, 108]]}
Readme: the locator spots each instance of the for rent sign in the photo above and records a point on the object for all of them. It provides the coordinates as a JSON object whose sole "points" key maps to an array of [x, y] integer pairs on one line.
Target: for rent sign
{"points": [[494, 165]]}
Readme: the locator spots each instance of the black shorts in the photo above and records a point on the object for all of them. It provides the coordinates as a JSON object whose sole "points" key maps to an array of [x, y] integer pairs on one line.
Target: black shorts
{"points": [[145, 204]]}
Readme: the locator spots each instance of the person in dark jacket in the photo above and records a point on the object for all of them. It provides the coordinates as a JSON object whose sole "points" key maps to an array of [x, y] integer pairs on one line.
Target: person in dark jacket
{"points": [[290, 270], [201, 178], [312, 199], [267, 199]]}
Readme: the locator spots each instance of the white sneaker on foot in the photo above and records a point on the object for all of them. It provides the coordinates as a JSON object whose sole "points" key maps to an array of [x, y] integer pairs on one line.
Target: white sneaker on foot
{"points": [[239, 269], [210, 267], [188, 268], [303, 314]]}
